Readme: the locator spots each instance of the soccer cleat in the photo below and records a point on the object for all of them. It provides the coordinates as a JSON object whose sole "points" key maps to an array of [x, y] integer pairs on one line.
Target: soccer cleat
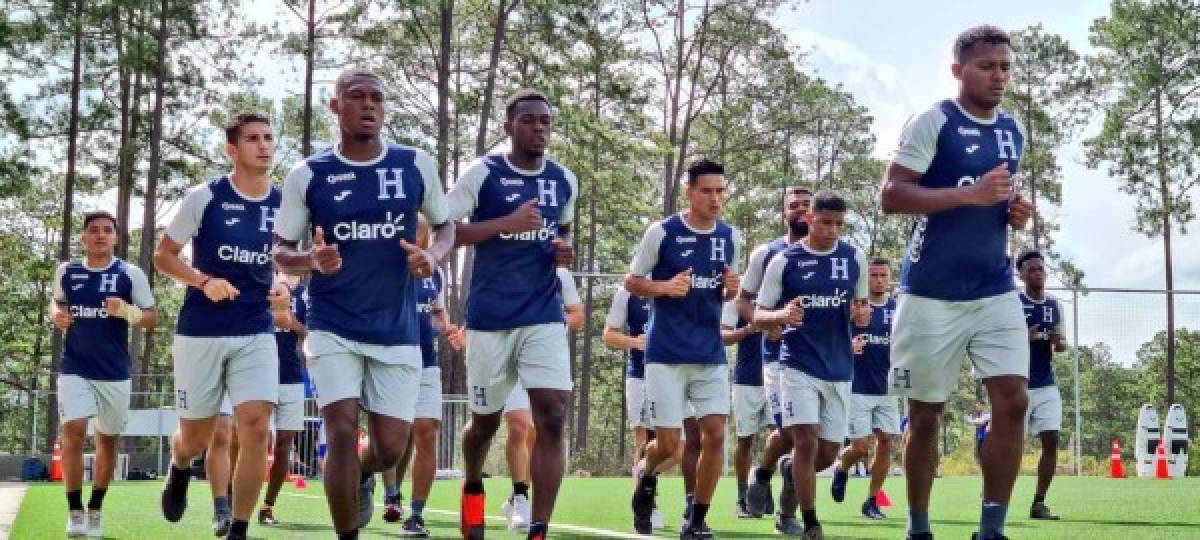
{"points": [[266, 516], [643, 505], [1041, 511], [921, 536], [814, 533], [837, 488], [392, 512], [366, 500], [870, 510], [657, 521], [517, 511], [695, 533], [788, 526], [537, 531], [471, 512], [787, 493], [414, 527], [76, 523], [174, 493], [221, 522], [742, 512], [975, 536], [95, 523], [235, 536], [758, 495]]}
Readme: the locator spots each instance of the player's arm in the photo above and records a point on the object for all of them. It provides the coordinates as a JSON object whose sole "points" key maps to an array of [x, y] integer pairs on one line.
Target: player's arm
{"points": [[860, 309], [572, 304], [1058, 336], [731, 333], [614, 334], [436, 209], [291, 225], [441, 321], [637, 282], [141, 313], [791, 313], [464, 198], [60, 312], [751, 281], [179, 232]]}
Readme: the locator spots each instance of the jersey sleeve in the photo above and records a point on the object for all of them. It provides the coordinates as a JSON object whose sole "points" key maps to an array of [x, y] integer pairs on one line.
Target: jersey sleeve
{"points": [[568, 211], [1058, 324], [439, 301], [464, 196], [752, 276], [618, 311], [434, 204], [737, 250], [56, 287], [292, 220], [142, 296], [646, 256], [729, 315], [570, 294], [772, 284], [187, 220], [861, 288], [918, 141]]}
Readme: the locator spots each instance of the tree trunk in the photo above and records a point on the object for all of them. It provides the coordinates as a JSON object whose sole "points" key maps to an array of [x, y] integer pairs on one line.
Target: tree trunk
{"points": [[124, 188], [309, 61], [64, 240], [1164, 186], [489, 86], [151, 199]]}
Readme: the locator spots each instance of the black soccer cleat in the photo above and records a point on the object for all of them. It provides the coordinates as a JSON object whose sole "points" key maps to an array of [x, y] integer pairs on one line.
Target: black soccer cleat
{"points": [[921, 536], [696, 533], [174, 493], [870, 510], [1041, 511], [643, 504], [837, 488], [758, 494]]}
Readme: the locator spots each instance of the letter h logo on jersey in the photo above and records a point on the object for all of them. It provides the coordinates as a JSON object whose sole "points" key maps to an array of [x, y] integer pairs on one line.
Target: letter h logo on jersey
{"points": [[394, 183], [1007, 144], [267, 223], [718, 249], [108, 283], [839, 268], [547, 192]]}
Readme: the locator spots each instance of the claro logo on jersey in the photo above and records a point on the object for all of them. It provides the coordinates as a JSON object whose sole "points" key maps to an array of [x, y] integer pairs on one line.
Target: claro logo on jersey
{"points": [[391, 227], [245, 256], [705, 282], [872, 339], [88, 312], [835, 300], [541, 235]]}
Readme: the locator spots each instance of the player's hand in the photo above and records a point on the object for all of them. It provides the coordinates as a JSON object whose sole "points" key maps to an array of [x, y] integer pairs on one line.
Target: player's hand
{"points": [[793, 313], [525, 218], [774, 333], [420, 262], [858, 343], [861, 312], [1019, 212], [1059, 341], [325, 257], [639, 342], [217, 289], [678, 286], [731, 283], [279, 298], [62, 318], [994, 187], [456, 337], [113, 306], [1035, 334], [564, 252]]}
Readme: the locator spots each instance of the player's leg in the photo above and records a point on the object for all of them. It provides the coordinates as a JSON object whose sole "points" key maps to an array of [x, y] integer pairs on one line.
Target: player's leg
{"points": [[197, 367], [518, 449], [708, 394], [392, 478], [1045, 420], [218, 459], [749, 408], [74, 437], [488, 356], [391, 389], [289, 424], [759, 499], [689, 460], [741, 466], [544, 367], [337, 373], [424, 468], [252, 379], [665, 403], [920, 460], [112, 400], [858, 431], [881, 466]]}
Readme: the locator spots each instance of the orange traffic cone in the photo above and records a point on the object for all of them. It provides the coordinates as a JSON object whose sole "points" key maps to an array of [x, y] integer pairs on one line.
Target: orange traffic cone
{"points": [[882, 500], [56, 473], [300, 483], [1160, 461], [1117, 469]]}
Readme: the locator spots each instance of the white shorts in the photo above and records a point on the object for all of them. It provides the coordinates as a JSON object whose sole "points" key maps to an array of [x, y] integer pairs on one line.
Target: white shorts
{"points": [[385, 379], [771, 387], [518, 399], [931, 338], [674, 390], [429, 401], [750, 411], [289, 410], [537, 356], [1045, 411], [635, 402], [105, 401], [808, 400], [207, 368], [869, 413]]}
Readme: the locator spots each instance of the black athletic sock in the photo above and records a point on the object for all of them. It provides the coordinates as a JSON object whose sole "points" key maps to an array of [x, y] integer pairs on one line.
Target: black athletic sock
{"points": [[473, 488], [699, 512], [221, 504], [521, 488], [178, 475], [268, 502], [538, 528], [239, 527], [97, 498], [810, 518], [349, 535], [75, 500], [648, 481], [763, 475], [871, 501]]}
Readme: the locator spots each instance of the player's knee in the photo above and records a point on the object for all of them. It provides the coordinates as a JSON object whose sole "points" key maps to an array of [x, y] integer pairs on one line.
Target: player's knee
{"points": [[883, 444], [1011, 408], [425, 436], [1050, 440], [73, 439], [713, 439], [859, 446], [519, 429], [924, 421]]}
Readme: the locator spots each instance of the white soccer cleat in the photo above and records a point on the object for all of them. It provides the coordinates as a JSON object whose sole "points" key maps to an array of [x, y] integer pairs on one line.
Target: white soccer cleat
{"points": [[76, 523], [517, 511], [95, 524], [657, 521]]}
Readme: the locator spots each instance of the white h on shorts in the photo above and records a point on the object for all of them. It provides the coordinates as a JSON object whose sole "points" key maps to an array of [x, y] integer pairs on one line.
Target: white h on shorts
{"points": [[107, 402], [386, 379], [673, 389], [808, 400], [536, 356], [206, 368]]}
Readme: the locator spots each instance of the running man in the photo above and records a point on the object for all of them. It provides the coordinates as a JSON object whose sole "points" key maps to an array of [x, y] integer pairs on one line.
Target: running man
{"points": [[750, 411], [518, 446], [684, 264], [223, 340], [815, 290], [1043, 315], [289, 410], [953, 170], [360, 199], [519, 208], [873, 413], [96, 300], [796, 203]]}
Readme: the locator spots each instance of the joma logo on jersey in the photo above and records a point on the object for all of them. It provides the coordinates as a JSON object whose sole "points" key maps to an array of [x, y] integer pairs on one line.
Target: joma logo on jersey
{"points": [[685, 239], [541, 235], [343, 177], [79, 276], [512, 182], [835, 300], [966, 131], [388, 229], [244, 256], [233, 207]]}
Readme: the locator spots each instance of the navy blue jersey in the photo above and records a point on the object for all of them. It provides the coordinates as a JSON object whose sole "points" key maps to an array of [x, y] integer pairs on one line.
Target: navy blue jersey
{"points": [[96, 345], [686, 330], [871, 367], [630, 313], [1046, 316], [231, 239], [364, 208], [513, 282], [959, 254], [291, 363], [747, 368], [828, 283], [752, 282], [429, 293]]}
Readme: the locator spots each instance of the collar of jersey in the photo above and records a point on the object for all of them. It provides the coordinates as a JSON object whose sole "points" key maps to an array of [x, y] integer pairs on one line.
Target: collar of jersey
{"points": [[973, 118], [685, 223], [812, 252], [83, 263], [884, 304], [337, 151], [525, 172], [247, 198], [1032, 299]]}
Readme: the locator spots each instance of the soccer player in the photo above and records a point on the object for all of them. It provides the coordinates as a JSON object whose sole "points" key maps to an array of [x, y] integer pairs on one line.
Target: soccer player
{"points": [[289, 410], [218, 460], [360, 199], [953, 169], [518, 446], [223, 342], [684, 264], [519, 208], [796, 203], [815, 290], [873, 413], [750, 411], [96, 300], [1043, 315]]}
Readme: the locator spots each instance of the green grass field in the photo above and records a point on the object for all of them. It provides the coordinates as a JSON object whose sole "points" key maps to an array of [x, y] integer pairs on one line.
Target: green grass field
{"points": [[1092, 508]]}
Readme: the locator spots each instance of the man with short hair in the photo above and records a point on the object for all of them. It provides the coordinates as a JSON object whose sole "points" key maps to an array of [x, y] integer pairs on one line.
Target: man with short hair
{"points": [[96, 300]]}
